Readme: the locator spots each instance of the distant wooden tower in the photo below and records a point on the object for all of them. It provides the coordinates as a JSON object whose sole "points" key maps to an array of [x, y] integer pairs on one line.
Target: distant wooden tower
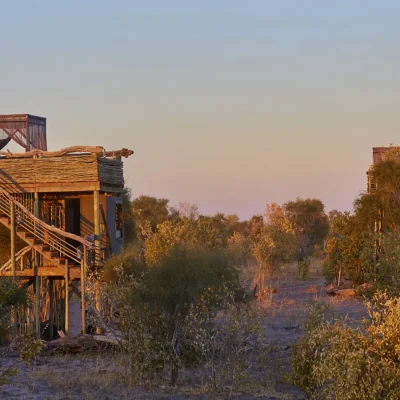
{"points": [[66, 207], [380, 154]]}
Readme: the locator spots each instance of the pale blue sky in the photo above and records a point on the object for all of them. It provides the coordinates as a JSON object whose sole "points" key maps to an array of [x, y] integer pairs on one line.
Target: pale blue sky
{"points": [[227, 104]]}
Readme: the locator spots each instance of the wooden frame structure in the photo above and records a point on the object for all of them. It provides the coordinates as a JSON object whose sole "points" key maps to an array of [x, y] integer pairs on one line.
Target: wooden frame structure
{"points": [[29, 131], [65, 207]]}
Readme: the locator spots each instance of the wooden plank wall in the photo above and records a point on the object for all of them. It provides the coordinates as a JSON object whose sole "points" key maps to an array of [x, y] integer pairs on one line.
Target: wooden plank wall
{"points": [[111, 172], [60, 173]]}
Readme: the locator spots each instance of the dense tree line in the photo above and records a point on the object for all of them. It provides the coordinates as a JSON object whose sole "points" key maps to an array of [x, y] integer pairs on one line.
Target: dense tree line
{"points": [[281, 234]]}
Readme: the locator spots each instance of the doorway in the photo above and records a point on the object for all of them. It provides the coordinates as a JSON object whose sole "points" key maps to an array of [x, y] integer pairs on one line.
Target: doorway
{"points": [[73, 218]]}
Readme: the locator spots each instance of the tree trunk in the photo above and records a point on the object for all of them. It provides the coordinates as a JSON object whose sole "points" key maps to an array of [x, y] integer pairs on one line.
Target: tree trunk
{"points": [[339, 279], [174, 371]]}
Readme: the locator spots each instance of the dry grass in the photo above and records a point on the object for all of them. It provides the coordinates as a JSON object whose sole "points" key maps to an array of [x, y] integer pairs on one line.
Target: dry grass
{"points": [[99, 377], [283, 314]]}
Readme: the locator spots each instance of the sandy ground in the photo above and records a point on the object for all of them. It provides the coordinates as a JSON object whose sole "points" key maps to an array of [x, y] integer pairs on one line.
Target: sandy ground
{"points": [[88, 377]]}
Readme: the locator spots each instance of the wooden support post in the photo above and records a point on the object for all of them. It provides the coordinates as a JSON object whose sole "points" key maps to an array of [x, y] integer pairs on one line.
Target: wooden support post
{"points": [[96, 203], [99, 331], [66, 297], [83, 284], [12, 254], [13, 231], [51, 308], [37, 277]]}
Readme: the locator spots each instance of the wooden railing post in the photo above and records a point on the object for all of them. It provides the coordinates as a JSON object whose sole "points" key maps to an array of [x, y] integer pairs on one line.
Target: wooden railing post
{"points": [[12, 254], [83, 284], [51, 308], [96, 203], [66, 297], [37, 277], [12, 232]]}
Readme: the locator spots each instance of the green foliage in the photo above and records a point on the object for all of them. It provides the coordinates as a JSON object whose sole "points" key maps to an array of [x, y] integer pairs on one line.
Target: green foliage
{"points": [[239, 246], [150, 209], [383, 203], [10, 295], [129, 218], [348, 249], [198, 234], [155, 303], [303, 269], [225, 345], [315, 315], [129, 261], [309, 223], [6, 374], [28, 347], [384, 272], [335, 361]]}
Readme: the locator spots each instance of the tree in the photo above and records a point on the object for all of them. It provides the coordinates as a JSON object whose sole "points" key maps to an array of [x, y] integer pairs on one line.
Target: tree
{"points": [[129, 218], [309, 223], [187, 210], [273, 242], [203, 233], [150, 209], [379, 210], [240, 248]]}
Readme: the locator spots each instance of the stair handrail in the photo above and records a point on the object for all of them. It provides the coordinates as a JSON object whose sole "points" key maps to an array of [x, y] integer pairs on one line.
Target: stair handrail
{"points": [[20, 254], [68, 235], [55, 237]]}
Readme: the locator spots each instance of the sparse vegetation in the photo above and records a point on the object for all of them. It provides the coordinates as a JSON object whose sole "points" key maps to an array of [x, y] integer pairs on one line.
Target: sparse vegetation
{"points": [[336, 361]]}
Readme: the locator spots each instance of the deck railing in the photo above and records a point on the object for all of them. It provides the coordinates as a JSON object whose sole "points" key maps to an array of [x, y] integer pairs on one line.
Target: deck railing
{"points": [[64, 243]]}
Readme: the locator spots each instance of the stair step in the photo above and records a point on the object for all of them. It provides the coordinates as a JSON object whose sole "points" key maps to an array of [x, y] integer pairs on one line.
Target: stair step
{"points": [[20, 229], [38, 241], [29, 235]]}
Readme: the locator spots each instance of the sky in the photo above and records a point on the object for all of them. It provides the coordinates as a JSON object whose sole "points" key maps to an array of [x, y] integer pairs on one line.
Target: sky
{"points": [[227, 104]]}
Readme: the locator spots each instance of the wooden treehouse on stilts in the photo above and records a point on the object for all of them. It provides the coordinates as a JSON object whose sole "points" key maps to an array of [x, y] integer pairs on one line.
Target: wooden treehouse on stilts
{"points": [[64, 213]]}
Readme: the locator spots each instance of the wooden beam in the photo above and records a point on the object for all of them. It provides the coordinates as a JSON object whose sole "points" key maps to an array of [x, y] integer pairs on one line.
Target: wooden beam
{"points": [[49, 187], [96, 205], [48, 271], [12, 233], [37, 278], [83, 289], [51, 308], [66, 297]]}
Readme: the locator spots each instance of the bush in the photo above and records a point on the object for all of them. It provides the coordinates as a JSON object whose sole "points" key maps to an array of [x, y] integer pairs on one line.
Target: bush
{"points": [[224, 345], [10, 296], [303, 269], [335, 361], [154, 306]]}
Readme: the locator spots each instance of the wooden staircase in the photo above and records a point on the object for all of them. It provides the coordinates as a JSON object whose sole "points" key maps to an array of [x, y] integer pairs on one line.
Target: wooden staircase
{"points": [[60, 258]]}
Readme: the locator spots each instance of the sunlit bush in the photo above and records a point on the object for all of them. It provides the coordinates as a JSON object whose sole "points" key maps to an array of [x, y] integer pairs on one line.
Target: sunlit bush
{"points": [[335, 361]]}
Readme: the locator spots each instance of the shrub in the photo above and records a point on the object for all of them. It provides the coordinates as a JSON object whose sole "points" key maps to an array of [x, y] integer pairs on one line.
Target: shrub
{"points": [[154, 306], [335, 361], [11, 296], [224, 345], [303, 269]]}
